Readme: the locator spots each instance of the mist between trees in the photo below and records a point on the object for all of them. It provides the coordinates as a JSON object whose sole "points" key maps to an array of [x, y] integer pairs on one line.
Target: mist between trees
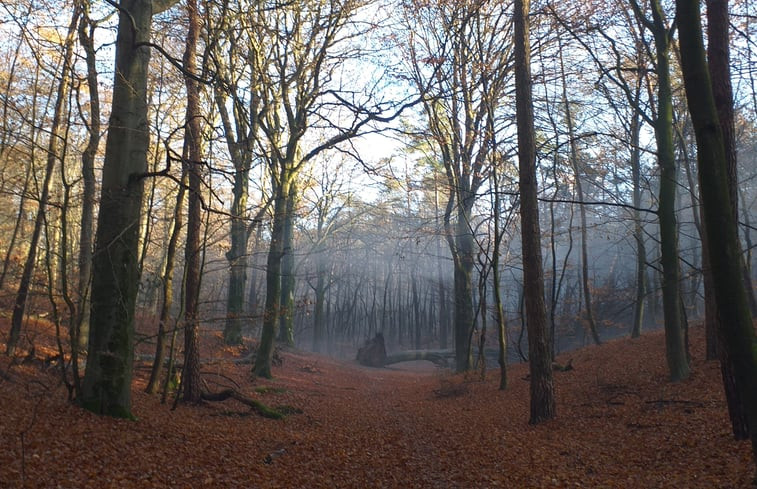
{"points": [[330, 170]]}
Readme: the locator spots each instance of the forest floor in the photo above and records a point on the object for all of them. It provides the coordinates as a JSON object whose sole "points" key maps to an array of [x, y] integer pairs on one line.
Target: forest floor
{"points": [[620, 424]]}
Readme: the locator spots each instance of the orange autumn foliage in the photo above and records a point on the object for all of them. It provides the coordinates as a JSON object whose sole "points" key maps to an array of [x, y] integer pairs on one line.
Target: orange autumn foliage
{"points": [[620, 424]]}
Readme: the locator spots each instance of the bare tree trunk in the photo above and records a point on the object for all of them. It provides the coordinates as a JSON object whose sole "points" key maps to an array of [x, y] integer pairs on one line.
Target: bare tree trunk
{"points": [[638, 229], [675, 347], [718, 57], [319, 317], [733, 308], [86, 232], [190, 380], [462, 252], [499, 315], [106, 387], [416, 311], [238, 263], [541, 385], [443, 314], [272, 311], [168, 271], [286, 328]]}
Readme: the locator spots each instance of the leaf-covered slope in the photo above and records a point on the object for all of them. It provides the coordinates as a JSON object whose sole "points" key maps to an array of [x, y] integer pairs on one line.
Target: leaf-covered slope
{"points": [[620, 424]]}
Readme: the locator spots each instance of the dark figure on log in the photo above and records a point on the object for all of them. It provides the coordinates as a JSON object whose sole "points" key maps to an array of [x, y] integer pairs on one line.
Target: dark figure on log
{"points": [[373, 353]]}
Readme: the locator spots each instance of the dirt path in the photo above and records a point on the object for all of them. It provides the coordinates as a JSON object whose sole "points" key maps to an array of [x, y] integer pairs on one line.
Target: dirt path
{"points": [[620, 424]]}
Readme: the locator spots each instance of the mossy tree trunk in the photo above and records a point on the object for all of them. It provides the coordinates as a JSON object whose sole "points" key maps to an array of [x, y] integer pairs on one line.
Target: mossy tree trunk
{"points": [[718, 57], [461, 246], [288, 283], [237, 254], [272, 310], [106, 387], [725, 258], [675, 346]]}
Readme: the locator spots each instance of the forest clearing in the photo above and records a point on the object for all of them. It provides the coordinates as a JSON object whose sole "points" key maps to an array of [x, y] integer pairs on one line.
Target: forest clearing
{"points": [[221, 200], [620, 423]]}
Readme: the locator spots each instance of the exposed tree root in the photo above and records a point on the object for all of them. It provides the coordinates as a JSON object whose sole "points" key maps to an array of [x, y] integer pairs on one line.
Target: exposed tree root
{"points": [[257, 406]]}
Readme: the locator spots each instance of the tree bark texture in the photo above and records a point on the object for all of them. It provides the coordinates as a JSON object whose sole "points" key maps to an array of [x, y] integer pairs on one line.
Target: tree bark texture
{"points": [[190, 380], [106, 387], [734, 314], [675, 348], [272, 311], [718, 58], [541, 384], [286, 328], [463, 262]]}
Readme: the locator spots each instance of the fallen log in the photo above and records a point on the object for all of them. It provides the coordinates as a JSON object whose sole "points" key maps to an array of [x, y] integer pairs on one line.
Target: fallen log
{"points": [[437, 357]]}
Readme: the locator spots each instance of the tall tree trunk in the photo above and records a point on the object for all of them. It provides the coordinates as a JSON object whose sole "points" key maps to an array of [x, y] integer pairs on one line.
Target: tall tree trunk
{"points": [[734, 314], [675, 348], [190, 380], [252, 293], [53, 154], [718, 57], [442, 322], [638, 228], [168, 271], [80, 330], [237, 257], [319, 318], [541, 384], [499, 314], [286, 328], [462, 253], [241, 156], [106, 387], [272, 311], [417, 318]]}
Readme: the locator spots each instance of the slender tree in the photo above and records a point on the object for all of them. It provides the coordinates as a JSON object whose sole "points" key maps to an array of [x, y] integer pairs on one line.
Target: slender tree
{"points": [[675, 346], [54, 153], [190, 380], [167, 284], [458, 55], [540, 362], [578, 178], [80, 330]]}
